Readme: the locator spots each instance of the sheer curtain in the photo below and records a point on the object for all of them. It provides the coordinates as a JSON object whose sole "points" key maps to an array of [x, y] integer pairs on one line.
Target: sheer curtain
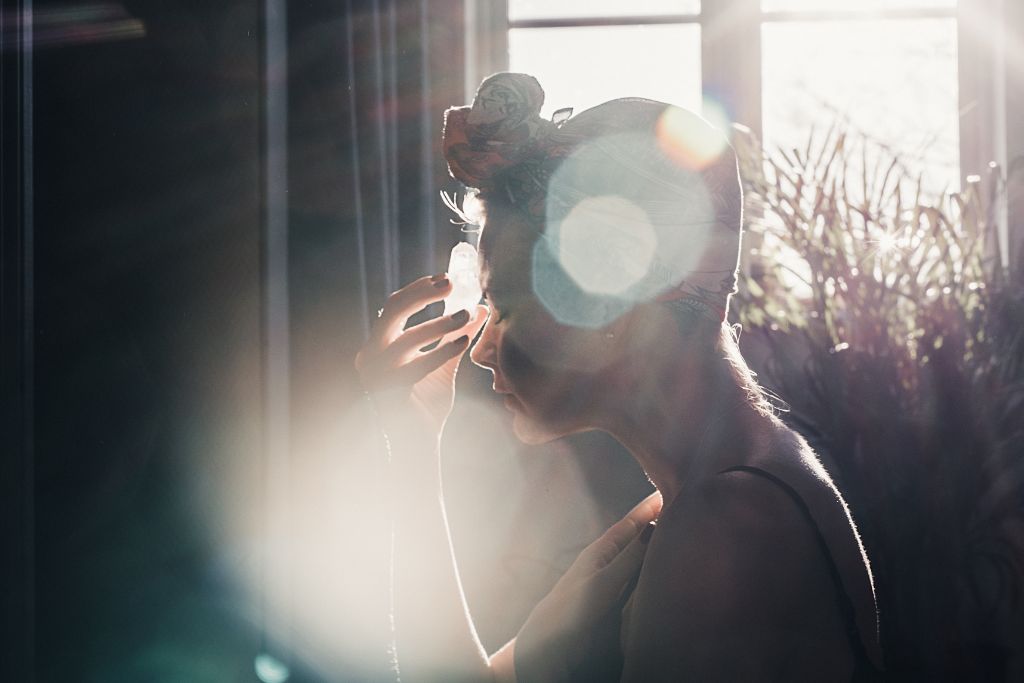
{"points": [[368, 82], [404, 66]]}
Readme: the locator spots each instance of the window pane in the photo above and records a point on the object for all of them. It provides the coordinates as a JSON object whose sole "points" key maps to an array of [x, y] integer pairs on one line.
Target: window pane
{"points": [[581, 67], [894, 80], [562, 9], [859, 5]]}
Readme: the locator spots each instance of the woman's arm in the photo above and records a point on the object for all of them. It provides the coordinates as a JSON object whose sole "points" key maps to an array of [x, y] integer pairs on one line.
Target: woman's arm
{"points": [[434, 634], [574, 629], [413, 392]]}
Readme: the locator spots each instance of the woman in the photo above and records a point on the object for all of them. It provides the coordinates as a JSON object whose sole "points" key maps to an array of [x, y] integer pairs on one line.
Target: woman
{"points": [[608, 254]]}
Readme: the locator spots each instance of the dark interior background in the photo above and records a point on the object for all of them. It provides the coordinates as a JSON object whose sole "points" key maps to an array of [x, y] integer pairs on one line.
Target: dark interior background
{"points": [[147, 339], [144, 456]]}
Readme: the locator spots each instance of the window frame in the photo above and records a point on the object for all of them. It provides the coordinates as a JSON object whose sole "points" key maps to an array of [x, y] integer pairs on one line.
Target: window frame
{"points": [[731, 64]]}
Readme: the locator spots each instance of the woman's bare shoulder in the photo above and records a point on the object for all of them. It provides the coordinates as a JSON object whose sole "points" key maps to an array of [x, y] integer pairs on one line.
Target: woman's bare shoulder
{"points": [[748, 519]]}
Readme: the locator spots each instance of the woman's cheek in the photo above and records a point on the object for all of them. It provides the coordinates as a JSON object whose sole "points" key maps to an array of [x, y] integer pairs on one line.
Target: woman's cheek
{"points": [[535, 367], [516, 364], [558, 350]]}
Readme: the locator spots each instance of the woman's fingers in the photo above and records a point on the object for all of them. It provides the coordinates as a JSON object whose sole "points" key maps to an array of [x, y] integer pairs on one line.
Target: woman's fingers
{"points": [[405, 302], [647, 510], [413, 371], [626, 529], [472, 328], [415, 338], [401, 362], [478, 318], [605, 549], [615, 578], [616, 581]]}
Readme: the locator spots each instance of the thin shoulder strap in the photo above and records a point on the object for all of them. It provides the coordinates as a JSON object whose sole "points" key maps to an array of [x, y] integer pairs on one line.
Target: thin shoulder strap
{"points": [[865, 645]]}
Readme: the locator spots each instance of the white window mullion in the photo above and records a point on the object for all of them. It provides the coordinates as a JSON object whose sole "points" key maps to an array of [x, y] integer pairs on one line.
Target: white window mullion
{"points": [[1014, 89], [977, 66], [983, 122], [486, 41], [731, 58]]}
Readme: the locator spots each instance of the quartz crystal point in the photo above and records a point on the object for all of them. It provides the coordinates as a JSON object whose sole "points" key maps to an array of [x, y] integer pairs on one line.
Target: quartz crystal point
{"points": [[465, 278]]}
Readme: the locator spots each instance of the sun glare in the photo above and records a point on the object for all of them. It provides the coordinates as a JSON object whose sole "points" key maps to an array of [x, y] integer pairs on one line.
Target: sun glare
{"points": [[577, 68], [894, 81], [887, 243], [685, 138]]}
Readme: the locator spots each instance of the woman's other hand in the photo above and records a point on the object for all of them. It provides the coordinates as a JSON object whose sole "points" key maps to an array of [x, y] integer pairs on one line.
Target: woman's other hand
{"points": [[573, 633], [413, 389]]}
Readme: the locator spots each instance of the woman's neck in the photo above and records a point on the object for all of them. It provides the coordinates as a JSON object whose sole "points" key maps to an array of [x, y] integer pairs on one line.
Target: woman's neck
{"points": [[685, 416]]}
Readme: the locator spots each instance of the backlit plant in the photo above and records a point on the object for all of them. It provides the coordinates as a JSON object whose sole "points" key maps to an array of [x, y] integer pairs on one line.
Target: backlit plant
{"points": [[884, 318]]}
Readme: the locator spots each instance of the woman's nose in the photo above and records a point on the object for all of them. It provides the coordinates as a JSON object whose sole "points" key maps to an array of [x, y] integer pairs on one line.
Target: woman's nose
{"points": [[484, 352]]}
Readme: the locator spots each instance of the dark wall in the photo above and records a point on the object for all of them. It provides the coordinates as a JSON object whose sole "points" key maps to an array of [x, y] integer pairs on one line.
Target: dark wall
{"points": [[147, 260]]}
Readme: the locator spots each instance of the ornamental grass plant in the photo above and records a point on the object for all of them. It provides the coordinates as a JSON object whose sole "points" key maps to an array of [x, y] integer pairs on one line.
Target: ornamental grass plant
{"points": [[883, 318]]}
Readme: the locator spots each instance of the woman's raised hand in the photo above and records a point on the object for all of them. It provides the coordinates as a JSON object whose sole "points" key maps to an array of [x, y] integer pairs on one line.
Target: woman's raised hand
{"points": [[413, 389], [573, 633]]}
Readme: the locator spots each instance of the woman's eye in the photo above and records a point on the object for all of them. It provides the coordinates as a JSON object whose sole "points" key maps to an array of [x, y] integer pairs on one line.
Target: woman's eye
{"points": [[498, 313]]}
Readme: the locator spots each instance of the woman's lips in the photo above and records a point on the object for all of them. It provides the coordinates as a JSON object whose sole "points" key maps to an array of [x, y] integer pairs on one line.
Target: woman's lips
{"points": [[509, 400]]}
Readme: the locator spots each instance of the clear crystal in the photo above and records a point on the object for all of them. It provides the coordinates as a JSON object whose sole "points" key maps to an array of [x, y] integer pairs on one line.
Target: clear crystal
{"points": [[463, 271]]}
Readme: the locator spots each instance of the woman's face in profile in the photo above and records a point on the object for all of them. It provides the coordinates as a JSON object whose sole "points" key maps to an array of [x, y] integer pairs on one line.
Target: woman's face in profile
{"points": [[552, 375]]}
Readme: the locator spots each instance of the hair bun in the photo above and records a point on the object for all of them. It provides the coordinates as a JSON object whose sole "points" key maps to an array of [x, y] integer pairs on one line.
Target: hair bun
{"points": [[502, 128]]}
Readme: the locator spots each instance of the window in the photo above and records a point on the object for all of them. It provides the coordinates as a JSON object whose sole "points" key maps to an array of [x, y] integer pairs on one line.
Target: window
{"points": [[885, 68], [891, 77], [576, 68], [587, 51]]}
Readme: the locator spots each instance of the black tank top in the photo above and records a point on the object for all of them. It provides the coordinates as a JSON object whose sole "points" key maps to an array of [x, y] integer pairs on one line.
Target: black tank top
{"points": [[865, 669], [820, 503]]}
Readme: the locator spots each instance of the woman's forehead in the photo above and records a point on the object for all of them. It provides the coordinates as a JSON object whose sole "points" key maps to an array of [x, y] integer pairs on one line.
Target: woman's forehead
{"points": [[501, 272], [506, 248]]}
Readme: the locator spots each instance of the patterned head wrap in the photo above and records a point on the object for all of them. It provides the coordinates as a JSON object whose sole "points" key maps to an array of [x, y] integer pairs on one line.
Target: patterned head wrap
{"points": [[624, 147]]}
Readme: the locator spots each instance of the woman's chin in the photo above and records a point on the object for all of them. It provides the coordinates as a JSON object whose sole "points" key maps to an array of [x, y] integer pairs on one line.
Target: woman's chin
{"points": [[529, 431]]}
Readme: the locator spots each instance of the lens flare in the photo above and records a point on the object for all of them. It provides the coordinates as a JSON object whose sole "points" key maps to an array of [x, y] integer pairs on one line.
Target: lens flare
{"points": [[606, 244], [715, 113], [601, 253], [269, 669], [683, 136], [887, 243]]}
